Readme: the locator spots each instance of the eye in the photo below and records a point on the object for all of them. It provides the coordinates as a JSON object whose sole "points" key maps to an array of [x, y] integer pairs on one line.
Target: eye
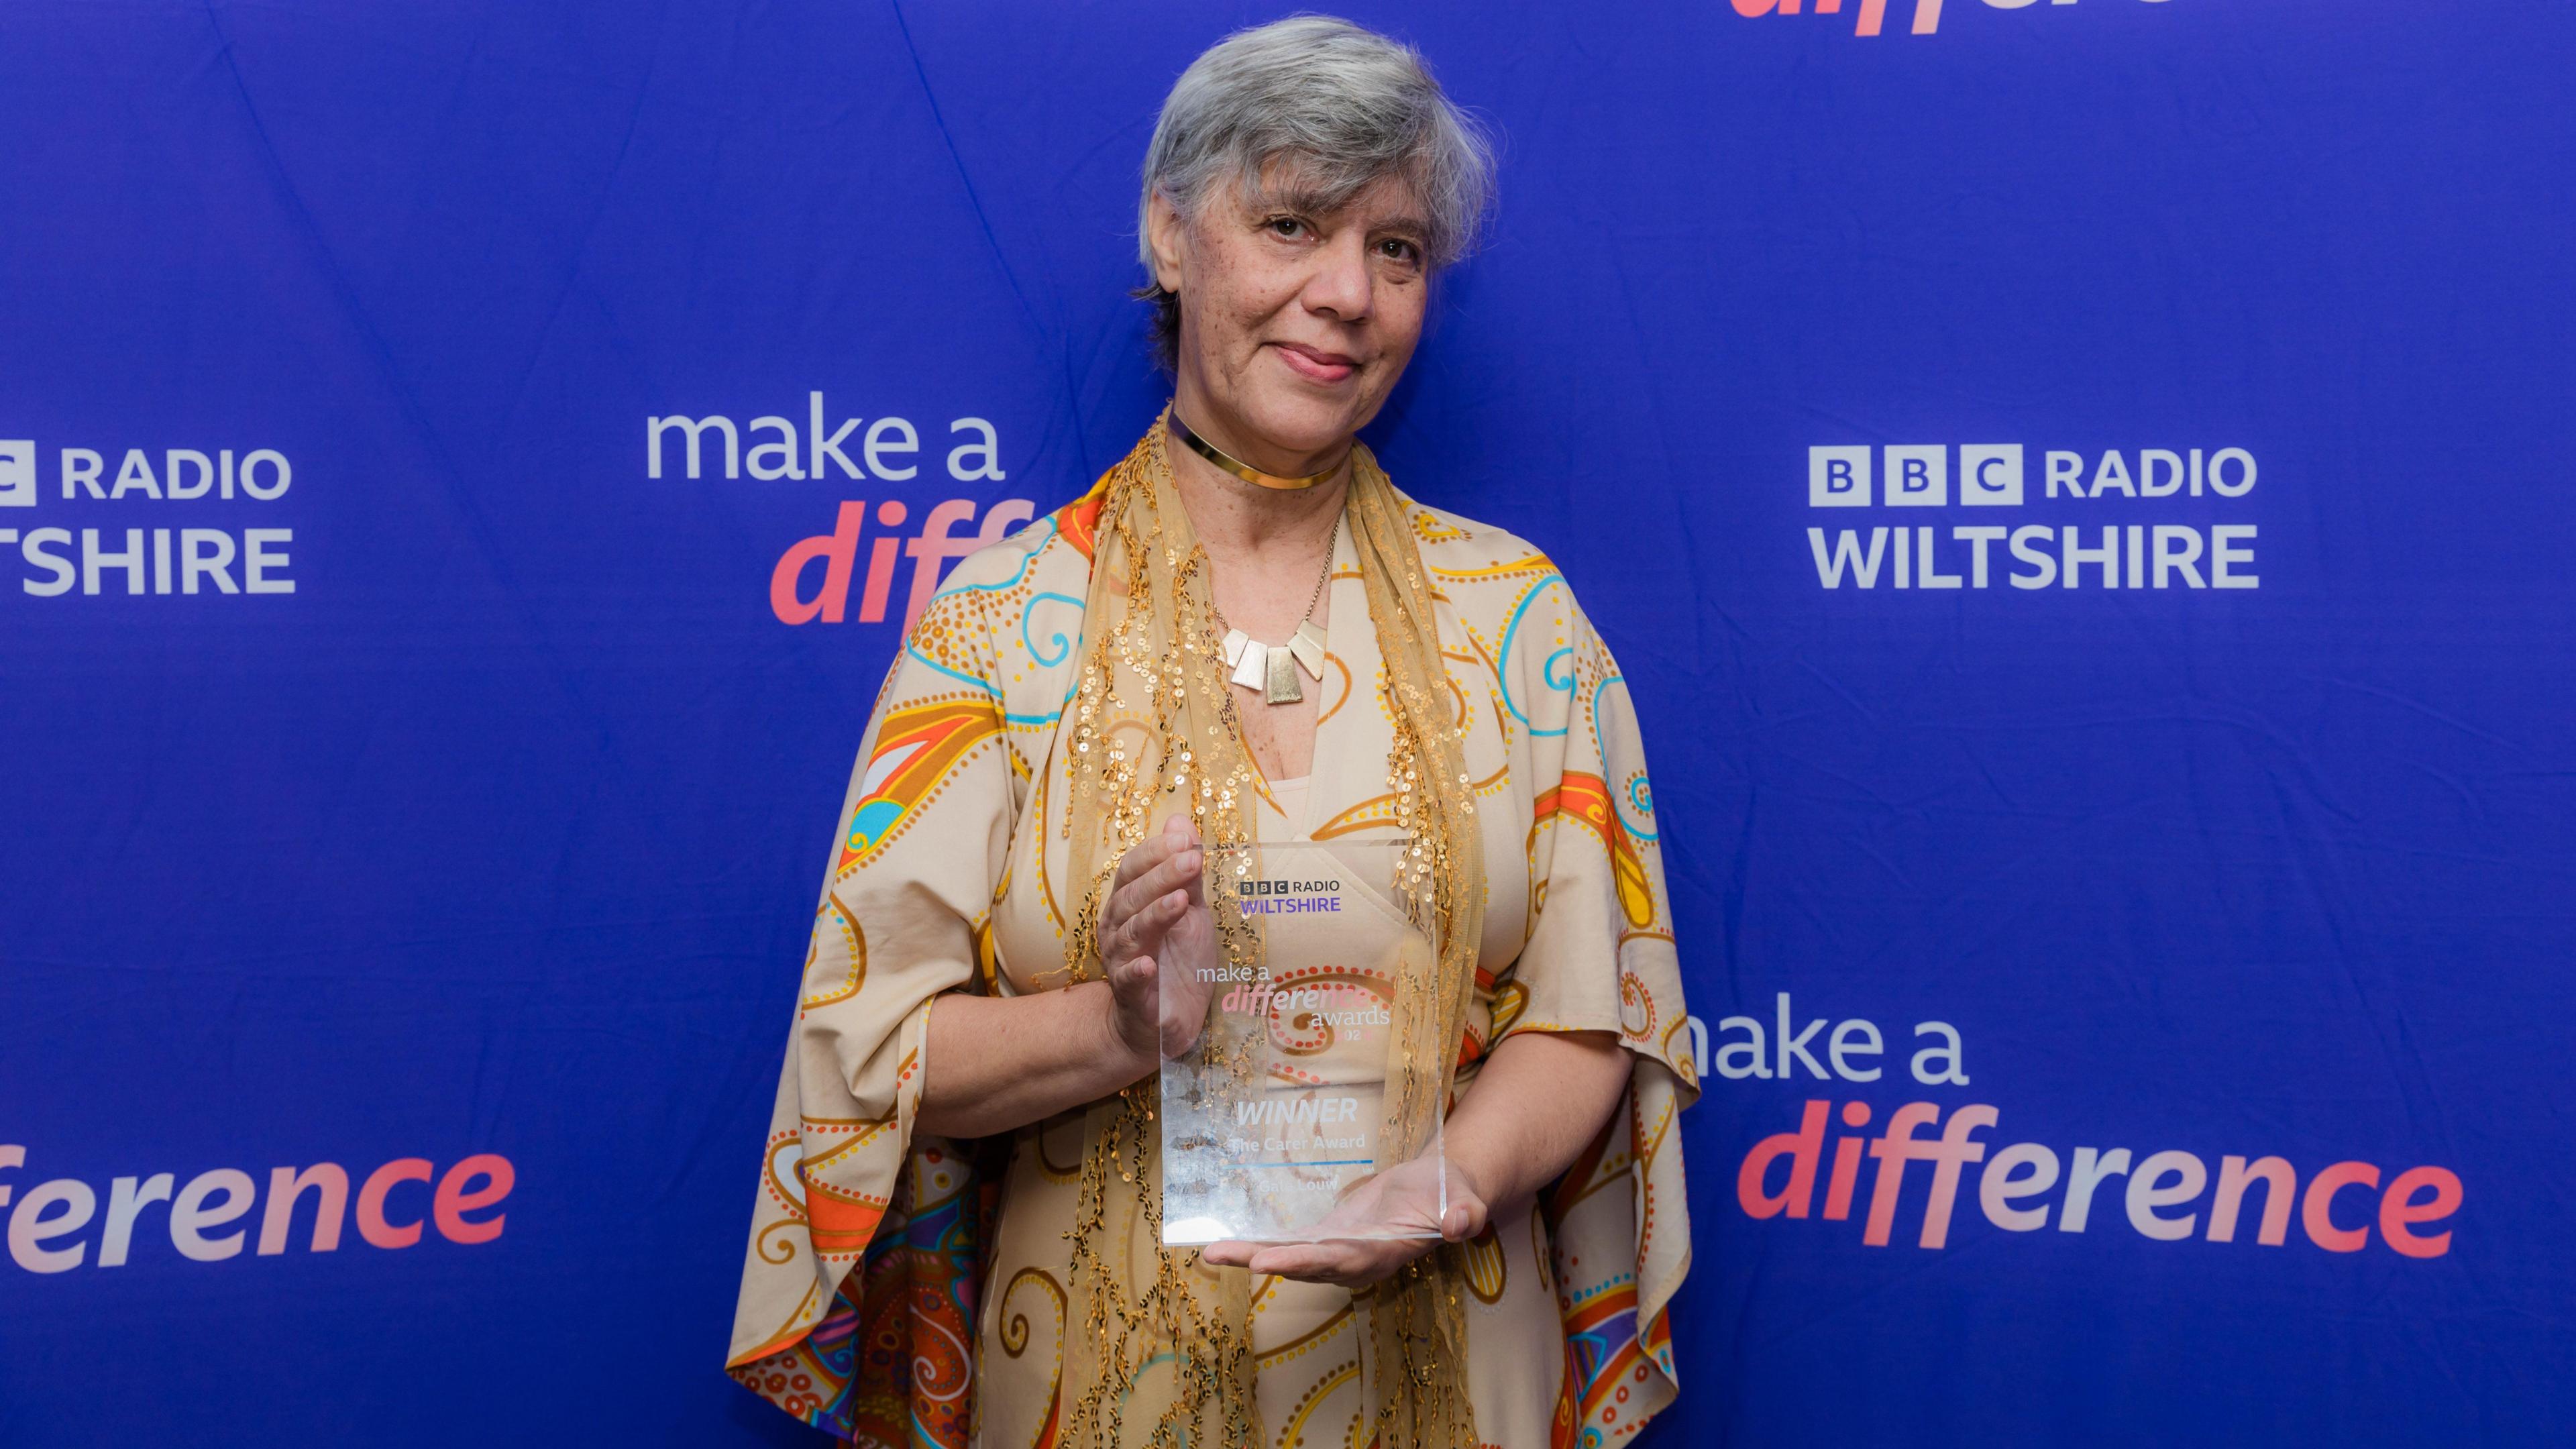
{"points": [[1396, 248], [1286, 226]]}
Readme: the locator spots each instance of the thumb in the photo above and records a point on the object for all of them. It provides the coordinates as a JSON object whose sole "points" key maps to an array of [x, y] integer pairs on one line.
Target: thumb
{"points": [[1133, 975]]}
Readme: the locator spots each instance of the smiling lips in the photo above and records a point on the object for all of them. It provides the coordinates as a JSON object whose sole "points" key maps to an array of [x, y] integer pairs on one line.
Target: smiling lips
{"points": [[1314, 364]]}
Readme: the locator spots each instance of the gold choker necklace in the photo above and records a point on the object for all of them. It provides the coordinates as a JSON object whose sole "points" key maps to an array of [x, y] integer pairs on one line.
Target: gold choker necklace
{"points": [[1243, 470]]}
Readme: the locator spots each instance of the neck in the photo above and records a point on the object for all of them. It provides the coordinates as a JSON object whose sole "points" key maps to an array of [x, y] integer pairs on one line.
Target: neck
{"points": [[1234, 518]]}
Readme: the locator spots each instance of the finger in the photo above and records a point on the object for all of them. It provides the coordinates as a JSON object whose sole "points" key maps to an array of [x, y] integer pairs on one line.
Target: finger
{"points": [[1149, 853], [1312, 1263], [1284, 1262], [1136, 930], [1340, 1273], [1227, 1254], [1185, 837], [1132, 976], [1171, 875], [1143, 933]]}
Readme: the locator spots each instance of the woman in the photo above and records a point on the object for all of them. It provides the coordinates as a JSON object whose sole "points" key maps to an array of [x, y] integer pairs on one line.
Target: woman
{"points": [[958, 1230]]}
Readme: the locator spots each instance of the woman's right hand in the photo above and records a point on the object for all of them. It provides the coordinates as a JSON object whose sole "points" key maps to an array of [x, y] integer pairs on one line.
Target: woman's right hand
{"points": [[1158, 943]]}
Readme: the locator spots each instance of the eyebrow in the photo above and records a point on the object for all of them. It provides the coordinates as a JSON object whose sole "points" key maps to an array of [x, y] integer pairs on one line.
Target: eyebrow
{"points": [[1309, 201]]}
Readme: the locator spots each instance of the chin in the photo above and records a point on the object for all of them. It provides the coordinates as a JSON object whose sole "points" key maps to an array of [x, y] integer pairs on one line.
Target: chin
{"points": [[1302, 424]]}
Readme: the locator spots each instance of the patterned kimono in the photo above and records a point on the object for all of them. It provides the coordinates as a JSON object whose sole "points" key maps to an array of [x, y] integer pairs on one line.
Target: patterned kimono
{"points": [[901, 1289]]}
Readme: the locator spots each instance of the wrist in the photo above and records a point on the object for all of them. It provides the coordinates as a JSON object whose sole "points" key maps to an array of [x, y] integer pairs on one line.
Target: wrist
{"points": [[1126, 1059], [1480, 1178]]}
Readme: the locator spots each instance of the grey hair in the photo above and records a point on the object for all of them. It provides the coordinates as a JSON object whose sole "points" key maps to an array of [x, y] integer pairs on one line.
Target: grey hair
{"points": [[1341, 106]]}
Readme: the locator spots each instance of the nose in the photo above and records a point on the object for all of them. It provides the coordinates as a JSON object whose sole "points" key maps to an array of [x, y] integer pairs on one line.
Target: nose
{"points": [[1342, 286]]}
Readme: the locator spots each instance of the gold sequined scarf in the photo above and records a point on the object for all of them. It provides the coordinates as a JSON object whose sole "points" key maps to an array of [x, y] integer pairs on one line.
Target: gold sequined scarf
{"points": [[1161, 1352]]}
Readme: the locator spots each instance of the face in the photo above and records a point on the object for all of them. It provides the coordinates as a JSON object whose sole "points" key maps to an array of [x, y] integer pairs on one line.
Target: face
{"points": [[1296, 321]]}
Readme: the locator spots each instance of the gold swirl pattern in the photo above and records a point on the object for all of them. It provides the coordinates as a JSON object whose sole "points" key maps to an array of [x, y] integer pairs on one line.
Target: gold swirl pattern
{"points": [[1014, 1334], [1341, 696], [1535, 563], [1654, 1136], [1293, 1434], [783, 1174], [1374, 813], [1685, 1063], [1430, 527], [777, 1242], [1303, 1343], [854, 942], [988, 960], [1046, 883], [865, 1134], [1487, 1270], [1636, 1008], [1069, 1126]]}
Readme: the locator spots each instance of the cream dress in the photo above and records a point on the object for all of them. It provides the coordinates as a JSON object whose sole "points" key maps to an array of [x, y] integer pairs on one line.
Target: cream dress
{"points": [[949, 874]]}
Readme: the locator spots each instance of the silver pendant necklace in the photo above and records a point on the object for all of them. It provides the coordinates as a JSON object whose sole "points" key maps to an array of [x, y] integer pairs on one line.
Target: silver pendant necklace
{"points": [[1272, 668]]}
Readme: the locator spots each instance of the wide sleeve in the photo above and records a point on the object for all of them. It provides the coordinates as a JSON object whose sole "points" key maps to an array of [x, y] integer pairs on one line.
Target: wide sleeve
{"points": [[1601, 956], [924, 832]]}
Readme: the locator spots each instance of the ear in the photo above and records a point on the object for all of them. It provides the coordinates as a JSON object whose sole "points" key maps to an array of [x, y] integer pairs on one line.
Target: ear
{"points": [[1168, 235]]}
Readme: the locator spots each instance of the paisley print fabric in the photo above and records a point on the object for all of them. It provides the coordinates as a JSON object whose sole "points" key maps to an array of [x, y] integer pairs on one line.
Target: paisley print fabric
{"points": [[901, 1290]]}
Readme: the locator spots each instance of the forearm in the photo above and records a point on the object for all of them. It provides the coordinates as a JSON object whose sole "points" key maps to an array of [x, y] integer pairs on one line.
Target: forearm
{"points": [[995, 1063], [1539, 1100]]}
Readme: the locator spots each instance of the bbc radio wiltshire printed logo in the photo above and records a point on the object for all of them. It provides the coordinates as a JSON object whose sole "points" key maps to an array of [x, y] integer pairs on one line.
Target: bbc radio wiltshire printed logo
{"points": [[2149, 518], [814, 579], [166, 521]]}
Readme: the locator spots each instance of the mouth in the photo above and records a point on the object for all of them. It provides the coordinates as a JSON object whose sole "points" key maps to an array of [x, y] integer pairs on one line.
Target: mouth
{"points": [[1314, 364]]}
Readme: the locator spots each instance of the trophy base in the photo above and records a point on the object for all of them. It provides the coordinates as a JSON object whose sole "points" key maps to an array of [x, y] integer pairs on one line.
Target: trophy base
{"points": [[1200, 1231]]}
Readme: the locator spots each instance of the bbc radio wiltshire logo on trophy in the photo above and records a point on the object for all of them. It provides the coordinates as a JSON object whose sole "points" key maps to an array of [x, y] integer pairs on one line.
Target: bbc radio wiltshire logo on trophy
{"points": [[2171, 519]]}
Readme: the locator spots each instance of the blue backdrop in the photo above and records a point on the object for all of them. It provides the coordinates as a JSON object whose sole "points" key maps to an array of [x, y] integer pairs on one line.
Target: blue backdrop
{"points": [[406, 773]]}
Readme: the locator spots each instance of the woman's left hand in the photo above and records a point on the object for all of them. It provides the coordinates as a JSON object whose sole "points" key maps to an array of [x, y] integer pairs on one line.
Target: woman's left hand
{"points": [[1402, 1198]]}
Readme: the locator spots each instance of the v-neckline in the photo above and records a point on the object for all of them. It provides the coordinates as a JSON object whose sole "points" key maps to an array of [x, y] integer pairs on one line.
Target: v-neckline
{"points": [[1323, 763]]}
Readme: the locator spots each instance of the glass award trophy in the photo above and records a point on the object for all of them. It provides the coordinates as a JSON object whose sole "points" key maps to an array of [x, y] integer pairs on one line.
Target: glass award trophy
{"points": [[1284, 1116]]}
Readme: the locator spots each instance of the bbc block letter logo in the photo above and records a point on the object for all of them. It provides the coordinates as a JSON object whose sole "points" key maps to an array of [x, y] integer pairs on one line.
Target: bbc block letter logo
{"points": [[1990, 474], [17, 473], [1918, 476], [1838, 477]]}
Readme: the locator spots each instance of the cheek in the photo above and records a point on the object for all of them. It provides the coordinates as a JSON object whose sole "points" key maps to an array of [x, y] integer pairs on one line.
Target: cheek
{"points": [[1230, 310], [1400, 320], [1243, 287]]}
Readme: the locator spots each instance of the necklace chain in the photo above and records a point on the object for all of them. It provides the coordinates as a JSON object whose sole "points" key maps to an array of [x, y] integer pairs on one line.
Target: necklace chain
{"points": [[1321, 579]]}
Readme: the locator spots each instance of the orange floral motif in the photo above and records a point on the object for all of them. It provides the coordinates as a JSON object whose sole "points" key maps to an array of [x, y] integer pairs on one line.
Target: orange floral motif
{"points": [[915, 751], [1585, 799], [1079, 521], [841, 1223]]}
